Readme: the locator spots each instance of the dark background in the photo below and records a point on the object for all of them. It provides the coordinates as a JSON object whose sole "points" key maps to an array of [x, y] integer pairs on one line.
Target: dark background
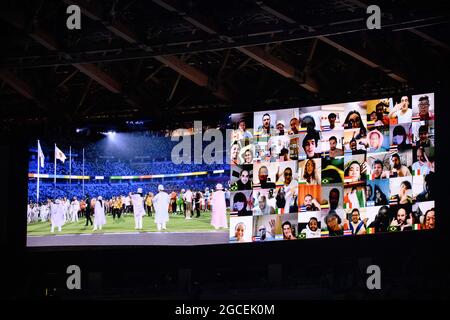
{"points": [[413, 264]]}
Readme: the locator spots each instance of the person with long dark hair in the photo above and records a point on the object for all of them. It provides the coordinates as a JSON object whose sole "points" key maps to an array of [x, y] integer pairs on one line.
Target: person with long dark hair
{"points": [[379, 198], [354, 121], [240, 204], [399, 137], [309, 172]]}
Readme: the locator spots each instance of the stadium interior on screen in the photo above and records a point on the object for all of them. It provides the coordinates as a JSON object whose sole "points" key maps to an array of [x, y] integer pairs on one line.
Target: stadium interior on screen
{"points": [[344, 169]]}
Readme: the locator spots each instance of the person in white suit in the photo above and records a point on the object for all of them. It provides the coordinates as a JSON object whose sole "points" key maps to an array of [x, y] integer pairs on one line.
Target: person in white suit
{"points": [[138, 208], [99, 214], [57, 215], [74, 208], [161, 203]]}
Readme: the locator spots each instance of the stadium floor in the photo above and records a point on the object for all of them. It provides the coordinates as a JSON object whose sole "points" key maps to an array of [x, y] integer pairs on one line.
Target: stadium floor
{"points": [[196, 231]]}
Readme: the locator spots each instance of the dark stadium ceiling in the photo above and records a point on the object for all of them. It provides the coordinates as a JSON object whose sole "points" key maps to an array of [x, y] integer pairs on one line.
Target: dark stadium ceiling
{"points": [[169, 61]]}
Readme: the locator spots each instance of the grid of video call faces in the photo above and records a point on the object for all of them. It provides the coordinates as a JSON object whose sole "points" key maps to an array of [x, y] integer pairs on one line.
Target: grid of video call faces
{"points": [[334, 170]]}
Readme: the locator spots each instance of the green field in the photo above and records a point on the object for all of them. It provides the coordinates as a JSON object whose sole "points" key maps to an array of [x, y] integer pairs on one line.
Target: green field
{"points": [[177, 223]]}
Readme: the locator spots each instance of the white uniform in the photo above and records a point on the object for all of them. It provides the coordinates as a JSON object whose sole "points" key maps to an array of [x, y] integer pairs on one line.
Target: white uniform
{"points": [[138, 209], [29, 212], [43, 212], [161, 203], [57, 216], [99, 214], [74, 208]]}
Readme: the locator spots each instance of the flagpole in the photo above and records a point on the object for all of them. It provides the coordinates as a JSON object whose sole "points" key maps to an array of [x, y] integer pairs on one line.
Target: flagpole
{"points": [[70, 168], [54, 176], [38, 171], [83, 172]]}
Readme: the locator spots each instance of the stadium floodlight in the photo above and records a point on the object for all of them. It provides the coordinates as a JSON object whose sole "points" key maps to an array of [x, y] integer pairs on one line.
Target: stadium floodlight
{"points": [[111, 133]]}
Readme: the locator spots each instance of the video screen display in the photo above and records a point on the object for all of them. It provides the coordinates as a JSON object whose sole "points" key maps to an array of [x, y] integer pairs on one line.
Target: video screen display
{"points": [[345, 169]]}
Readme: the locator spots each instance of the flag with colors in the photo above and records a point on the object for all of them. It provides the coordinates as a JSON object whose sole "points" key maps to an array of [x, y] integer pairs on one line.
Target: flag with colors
{"points": [[324, 234], [370, 230], [348, 232], [416, 226]]}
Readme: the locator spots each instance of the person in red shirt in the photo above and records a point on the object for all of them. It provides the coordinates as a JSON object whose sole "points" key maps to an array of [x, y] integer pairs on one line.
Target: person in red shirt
{"points": [[379, 111]]}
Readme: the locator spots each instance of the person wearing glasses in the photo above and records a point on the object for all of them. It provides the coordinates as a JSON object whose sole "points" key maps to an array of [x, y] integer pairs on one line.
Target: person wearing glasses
{"points": [[424, 109]]}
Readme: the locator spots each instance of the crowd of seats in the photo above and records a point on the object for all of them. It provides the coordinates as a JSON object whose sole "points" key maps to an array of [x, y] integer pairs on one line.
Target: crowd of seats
{"points": [[108, 190], [126, 154]]}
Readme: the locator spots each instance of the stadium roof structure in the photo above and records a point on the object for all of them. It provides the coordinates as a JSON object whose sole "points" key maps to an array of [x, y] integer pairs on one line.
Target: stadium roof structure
{"points": [[170, 61]]}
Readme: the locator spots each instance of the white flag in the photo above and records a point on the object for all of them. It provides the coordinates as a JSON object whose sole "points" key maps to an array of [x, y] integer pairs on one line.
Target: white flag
{"points": [[41, 155], [59, 154]]}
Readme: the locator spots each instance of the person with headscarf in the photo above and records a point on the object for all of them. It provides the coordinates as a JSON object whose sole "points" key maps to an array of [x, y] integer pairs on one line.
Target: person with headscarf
{"points": [[99, 214], [219, 208], [138, 208], [161, 203]]}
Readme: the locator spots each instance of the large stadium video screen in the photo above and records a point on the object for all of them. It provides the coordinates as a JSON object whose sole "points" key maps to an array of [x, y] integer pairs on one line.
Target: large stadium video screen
{"points": [[347, 169]]}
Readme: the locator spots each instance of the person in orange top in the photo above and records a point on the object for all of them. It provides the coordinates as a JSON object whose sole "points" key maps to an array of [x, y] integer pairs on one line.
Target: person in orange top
{"points": [[173, 202]]}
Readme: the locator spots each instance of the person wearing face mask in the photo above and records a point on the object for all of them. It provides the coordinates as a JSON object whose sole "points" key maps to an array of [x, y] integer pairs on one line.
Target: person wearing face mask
{"points": [[400, 138], [240, 204], [312, 229], [401, 113], [398, 169]]}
